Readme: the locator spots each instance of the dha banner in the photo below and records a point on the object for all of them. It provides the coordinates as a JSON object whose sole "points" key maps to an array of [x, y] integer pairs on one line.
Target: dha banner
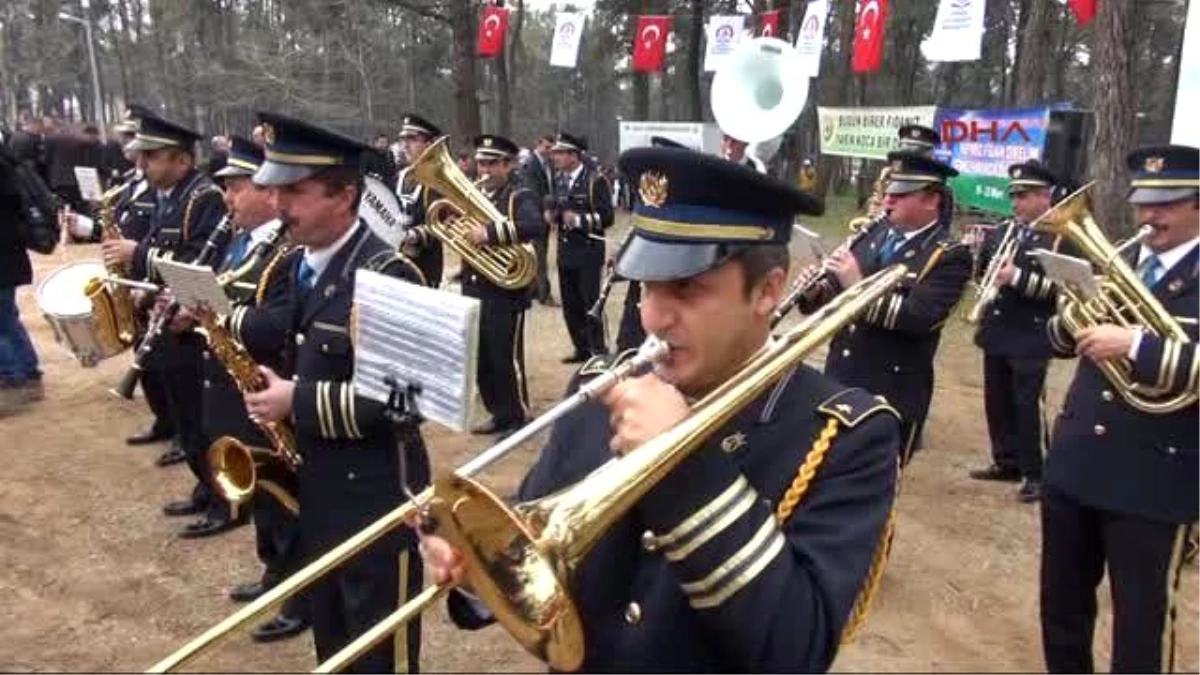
{"points": [[982, 144], [868, 133]]}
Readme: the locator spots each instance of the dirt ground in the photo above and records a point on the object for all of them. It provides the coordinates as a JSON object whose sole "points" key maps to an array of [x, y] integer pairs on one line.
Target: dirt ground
{"points": [[92, 576]]}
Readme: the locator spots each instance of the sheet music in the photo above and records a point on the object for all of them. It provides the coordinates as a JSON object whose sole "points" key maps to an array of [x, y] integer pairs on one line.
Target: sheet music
{"points": [[419, 336], [1070, 272], [89, 183], [194, 285]]}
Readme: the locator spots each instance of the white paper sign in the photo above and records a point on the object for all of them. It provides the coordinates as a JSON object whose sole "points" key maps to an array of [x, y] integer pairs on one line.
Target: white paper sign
{"points": [[193, 285], [1069, 272], [1184, 130], [568, 31], [957, 31], [811, 40], [724, 35], [89, 183]]}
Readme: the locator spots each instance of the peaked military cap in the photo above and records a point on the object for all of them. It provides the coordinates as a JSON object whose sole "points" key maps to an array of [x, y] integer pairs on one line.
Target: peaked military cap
{"points": [[918, 138], [491, 146], [245, 158], [566, 142], [129, 118], [1162, 174], [696, 210], [664, 142], [296, 150], [155, 133], [912, 171], [415, 125], [1029, 175]]}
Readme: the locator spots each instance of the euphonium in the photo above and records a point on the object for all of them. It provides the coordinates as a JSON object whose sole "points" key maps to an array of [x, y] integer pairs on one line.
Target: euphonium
{"points": [[112, 305], [1122, 300], [461, 208]]}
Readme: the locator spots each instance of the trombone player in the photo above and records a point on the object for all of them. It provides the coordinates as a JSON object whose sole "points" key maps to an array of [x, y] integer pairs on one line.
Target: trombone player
{"points": [[708, 573], [1120, 489], [1016, 299]]}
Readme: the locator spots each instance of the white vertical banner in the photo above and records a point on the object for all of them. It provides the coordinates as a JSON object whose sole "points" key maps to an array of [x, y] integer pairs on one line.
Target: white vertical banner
{"points": [[568, 31], [724, 34], [1184, 130], [957, 31], [811, 40]]}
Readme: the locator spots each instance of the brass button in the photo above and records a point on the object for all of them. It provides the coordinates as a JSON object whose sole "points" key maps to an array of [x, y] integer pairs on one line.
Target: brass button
{"points": [[1100, 430], [207, 355], [1172, 450], [1106, 395], [649, 541], [853, 326], [995, 312], [324, 349], [295, 378], [633, 614], [351, 476], [895, 369], [845, 352], [207, 384], [299, 338]]}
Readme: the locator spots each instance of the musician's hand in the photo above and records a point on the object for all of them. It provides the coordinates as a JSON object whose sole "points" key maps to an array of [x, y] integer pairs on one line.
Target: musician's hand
{"points": [[570, 220], [845, 267], [444, 562], [182, 321], [273, 404], [548, 216], [478, 234], [1004, 275], [642, 408], [118, 250], [1106, 341], [163, 299]]}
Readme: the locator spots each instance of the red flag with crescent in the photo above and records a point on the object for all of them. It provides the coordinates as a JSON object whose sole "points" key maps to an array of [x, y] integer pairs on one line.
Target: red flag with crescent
{"points": [[492, 25], [650, 43], [1084, 10], [769, 25], [868, 36]]}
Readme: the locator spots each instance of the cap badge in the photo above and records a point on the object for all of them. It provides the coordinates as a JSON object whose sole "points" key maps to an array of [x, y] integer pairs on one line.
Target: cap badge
{"points": [[653, 189], [897, 165], [268, 134], [487, 142], [733, 442], [1154, 164], [915, 133], [1017, 172]]}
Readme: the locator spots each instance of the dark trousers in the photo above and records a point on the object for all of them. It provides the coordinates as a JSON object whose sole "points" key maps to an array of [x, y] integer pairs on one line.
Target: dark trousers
{"points": [[1013, 397], [1144, 560], [500, 370], [362, 592], [277, 533], [155, 391], [181, 372], [542, 291], [580, 287], [631, 335]]}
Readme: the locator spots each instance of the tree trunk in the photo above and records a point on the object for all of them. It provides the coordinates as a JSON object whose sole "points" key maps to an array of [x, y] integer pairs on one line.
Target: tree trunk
{"points": [[466, 82], [692, 69], [1034, 55], [1113, 100]]}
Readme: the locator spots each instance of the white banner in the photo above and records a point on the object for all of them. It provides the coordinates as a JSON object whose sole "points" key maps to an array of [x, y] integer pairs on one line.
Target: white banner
{"points": [[811, 40], [699, 136], [1184, 130], [724, 34], [957, 31], [870, 133], [568, 31]]}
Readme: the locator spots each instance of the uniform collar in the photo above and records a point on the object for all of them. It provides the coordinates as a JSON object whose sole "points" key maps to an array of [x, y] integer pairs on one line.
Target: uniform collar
{"points": [[319, 259], [261, 232], [1168, 259], [909, 236]]}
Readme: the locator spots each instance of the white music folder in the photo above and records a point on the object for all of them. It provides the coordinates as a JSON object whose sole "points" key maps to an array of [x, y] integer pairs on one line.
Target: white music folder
{"points": [[416, 336], [194, 285], [1072, 273]]}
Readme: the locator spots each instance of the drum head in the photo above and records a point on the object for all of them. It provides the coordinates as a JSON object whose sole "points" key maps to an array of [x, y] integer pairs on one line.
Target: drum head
{"points": [[61, 293]]}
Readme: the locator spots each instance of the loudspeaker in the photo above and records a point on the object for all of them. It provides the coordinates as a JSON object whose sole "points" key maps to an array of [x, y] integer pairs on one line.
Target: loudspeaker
{"points": [[1065, 154]]}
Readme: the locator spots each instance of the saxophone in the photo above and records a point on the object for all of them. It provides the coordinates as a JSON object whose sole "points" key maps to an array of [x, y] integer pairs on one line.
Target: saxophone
{"points": [[113, 311]]}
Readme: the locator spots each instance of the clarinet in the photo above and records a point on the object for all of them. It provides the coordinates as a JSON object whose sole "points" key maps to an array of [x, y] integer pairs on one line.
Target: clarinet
{"points": [[610, 278], [160, 319]]}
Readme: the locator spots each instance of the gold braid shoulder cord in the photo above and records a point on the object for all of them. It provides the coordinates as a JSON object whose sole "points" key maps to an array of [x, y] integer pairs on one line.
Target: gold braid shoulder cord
{"points": [[793, 495]]}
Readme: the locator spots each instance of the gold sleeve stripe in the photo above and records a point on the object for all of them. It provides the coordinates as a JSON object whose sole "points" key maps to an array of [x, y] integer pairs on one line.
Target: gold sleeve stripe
{"points": [[325, 410], [353, 411], [873, 313], [743, 579], [344, 408], [739, 569], [697, 519], [1164, 364], [736, 510], [1173, 369], [894, 311], [710, 582], [1054, 332]]}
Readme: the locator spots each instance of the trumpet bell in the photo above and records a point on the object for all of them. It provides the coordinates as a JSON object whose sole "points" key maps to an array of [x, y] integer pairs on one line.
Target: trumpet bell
{"points": [[758, 93]]}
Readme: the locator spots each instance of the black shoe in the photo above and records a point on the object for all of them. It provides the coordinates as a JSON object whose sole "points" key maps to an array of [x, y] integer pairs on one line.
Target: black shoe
{"points": [[152, 435], [247, 592], [207, 527], [494, 427], [183, 507], [1031, 491], [279, 628], [577, 357], [996, 473], [172, 455]]}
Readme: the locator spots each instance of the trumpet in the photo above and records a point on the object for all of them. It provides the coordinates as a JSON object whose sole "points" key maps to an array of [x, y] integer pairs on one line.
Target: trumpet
{"points": [[610, 278], [807, 282], [987, 290], [520, 559]]}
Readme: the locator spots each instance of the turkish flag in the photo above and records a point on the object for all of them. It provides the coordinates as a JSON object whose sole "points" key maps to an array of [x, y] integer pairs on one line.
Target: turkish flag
{"points": [[868, 36], [1085, 10], [492, 25], [650, 43], [769, 25]]}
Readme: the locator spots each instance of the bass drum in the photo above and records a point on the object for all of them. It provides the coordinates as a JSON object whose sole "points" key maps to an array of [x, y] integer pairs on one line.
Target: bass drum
{"points": [[63, 299]]}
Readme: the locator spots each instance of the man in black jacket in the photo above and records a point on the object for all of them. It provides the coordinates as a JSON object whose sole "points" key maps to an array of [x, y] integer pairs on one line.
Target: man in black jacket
{"points": [[537, 174], [20, 379]]}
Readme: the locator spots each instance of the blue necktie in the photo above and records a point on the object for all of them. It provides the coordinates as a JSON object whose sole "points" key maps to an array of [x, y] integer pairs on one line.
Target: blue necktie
{"points": [[237, 251], [890, 244], [306, 275], [1151, 270]]}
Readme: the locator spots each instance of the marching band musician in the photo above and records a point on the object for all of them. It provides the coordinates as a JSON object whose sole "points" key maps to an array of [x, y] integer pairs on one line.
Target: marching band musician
{"points": [[501, 364], [187, 208], [581, 211], [707, 574], [918, 139], [416, 134], [734, 150], [891, 350], [1121, 489], [1012, 335], [277, 533], [354, 458]]}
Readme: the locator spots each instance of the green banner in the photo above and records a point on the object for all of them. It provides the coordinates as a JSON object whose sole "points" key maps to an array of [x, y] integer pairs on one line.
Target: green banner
{"points": [[987, 193]]}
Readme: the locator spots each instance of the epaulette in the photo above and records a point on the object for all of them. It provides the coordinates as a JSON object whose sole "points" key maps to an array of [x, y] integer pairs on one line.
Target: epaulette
{"points": [[396, 264], [851, 406], [602, 363]]}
